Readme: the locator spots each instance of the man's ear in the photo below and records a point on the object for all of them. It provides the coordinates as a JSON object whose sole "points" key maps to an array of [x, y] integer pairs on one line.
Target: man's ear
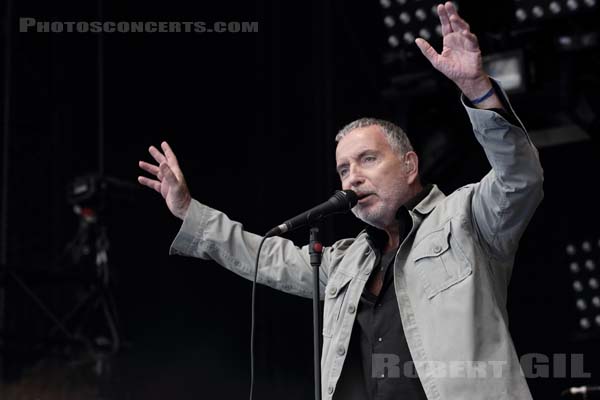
{"points": [[411, 166]]}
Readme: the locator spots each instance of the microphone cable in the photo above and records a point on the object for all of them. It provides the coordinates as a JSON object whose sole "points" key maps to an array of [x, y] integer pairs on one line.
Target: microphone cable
{"points": [[253, 319]]}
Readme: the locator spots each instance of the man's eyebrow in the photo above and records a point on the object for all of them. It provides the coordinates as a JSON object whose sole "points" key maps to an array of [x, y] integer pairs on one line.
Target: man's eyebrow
{"points": [[368, 151]]}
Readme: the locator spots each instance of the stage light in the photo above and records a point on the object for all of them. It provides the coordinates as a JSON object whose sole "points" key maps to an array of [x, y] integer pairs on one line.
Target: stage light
{"points": [[421, 14], [508, 68], [412, 18], [537, 11], [572, 5], [389, 21], [584, 323], [590, 265], [521, 15], [574, 267], [424, 33], [555, 7], [585, 284], [549, 9], [393, 41], [404, 17]]}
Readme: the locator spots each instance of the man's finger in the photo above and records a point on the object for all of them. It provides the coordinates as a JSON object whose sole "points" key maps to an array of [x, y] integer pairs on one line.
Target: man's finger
{"points": [[450, 8], [450, 11], [428, 51], [169, 153], [444, 20], [153, 169], [157, 155], [459, 24], [152, 184], [172, 159]]}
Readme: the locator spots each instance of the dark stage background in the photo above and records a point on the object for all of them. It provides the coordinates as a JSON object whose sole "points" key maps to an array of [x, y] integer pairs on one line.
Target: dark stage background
{"points": [[252, 117]]}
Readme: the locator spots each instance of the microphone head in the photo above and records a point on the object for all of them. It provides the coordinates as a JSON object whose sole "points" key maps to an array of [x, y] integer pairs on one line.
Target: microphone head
{"points": [[348, 198]]}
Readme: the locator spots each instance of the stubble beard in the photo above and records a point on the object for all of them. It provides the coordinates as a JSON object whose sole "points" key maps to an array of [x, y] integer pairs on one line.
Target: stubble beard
{"points": [[378, 215], [374, 216]]}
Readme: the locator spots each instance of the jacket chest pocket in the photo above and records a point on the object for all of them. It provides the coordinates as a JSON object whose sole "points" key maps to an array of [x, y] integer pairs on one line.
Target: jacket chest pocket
{"points": [[440, 262], [335, 294]]}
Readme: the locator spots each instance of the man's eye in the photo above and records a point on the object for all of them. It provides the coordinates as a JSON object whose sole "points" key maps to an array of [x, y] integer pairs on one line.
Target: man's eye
{"points": [[343, 172], [369, 158]]}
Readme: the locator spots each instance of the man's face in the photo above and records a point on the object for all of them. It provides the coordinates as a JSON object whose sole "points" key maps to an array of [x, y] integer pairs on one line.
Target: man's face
{"points": [[367, 164]]}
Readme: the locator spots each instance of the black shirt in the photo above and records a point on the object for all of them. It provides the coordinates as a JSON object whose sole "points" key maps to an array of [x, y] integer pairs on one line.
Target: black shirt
{"points": [[378, 364]]}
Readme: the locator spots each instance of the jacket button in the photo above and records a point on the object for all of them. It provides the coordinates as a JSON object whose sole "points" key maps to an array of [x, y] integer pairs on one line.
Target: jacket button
{"points": [[351, 309], [437, 248], [332, 290], [341, 351], [330, 390]]}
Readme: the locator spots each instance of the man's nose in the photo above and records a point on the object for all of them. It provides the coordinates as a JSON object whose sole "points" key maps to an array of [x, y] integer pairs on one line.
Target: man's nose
{"points": [[355, 178]]}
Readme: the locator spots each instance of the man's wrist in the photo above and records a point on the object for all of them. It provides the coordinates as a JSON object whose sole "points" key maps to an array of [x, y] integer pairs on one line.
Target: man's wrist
{"points": [[476, 88], [483, 98], [183, 208], [481, 93]]}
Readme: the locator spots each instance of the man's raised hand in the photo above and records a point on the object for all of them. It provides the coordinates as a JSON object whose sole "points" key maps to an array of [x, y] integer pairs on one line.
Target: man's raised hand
{"points": [[460, 59], [168, 179]]}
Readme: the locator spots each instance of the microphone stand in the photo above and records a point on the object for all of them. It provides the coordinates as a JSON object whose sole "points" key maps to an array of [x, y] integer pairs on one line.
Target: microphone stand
{"points": [[315, 250]]}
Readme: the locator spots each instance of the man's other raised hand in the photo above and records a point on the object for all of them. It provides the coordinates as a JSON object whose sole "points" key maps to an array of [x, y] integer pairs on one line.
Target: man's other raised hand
{"points": [[167, 179]]}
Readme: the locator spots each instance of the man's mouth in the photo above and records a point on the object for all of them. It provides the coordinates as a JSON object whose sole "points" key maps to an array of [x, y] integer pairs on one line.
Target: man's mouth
{"points": [[363, 197]]}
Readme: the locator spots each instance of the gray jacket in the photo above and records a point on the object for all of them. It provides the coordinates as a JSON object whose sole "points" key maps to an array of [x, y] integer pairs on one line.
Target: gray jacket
{"points": [[450, 275]]}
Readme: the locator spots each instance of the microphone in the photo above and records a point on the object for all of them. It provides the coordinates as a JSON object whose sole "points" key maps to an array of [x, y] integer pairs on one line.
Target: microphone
{"points": [[342, 201], [581, 390]]}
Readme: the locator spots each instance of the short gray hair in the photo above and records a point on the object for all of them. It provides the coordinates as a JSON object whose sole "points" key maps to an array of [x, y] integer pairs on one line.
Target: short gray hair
{"points": [[395, 136]]}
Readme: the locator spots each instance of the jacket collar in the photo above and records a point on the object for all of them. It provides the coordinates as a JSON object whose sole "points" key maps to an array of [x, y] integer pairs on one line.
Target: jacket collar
{"points": [[429, 202]]}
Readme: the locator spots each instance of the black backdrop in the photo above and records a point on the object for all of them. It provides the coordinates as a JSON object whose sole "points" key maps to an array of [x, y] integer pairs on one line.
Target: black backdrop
{"points": [[252, 118]]}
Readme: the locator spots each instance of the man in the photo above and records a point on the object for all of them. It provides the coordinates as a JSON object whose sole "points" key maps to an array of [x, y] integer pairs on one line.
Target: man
{"points": [[425, 285]]}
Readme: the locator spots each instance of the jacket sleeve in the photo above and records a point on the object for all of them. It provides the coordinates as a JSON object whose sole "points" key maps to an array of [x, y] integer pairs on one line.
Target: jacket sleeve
{"points": [[209, 234], [504, 201]]}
